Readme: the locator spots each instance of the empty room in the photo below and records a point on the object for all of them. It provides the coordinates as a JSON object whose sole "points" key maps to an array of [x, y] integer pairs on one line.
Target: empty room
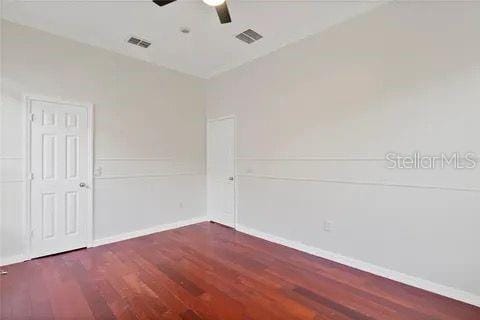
{"points": [[240, 160]]}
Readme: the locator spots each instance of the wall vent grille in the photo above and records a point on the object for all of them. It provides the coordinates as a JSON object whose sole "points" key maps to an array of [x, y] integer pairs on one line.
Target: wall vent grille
{"points": [[249, 36], [139, 42]]}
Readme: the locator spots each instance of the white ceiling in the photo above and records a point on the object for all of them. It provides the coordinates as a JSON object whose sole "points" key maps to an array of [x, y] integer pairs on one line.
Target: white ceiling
{"points": [[210, 47]]}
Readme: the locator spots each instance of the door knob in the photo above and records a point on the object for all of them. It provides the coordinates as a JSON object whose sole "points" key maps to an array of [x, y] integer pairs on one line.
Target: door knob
{"points": [[230, 178], [82, 184]]}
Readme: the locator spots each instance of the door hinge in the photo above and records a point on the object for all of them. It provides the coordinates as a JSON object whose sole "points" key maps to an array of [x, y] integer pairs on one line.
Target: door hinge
{"points": [[31, 234], [32, 117], [30, 176]]}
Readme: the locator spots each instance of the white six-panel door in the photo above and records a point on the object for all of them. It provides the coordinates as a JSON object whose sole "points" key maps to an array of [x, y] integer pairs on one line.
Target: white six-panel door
{"points": [[221, 171], [59, 164]]}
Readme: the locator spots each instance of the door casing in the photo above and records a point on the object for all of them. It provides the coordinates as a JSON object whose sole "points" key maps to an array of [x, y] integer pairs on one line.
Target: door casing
{"points": [[28, 165]]}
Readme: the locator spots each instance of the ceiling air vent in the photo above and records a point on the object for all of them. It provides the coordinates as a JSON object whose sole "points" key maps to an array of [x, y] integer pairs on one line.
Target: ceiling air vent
{"points": [[144, 44], [139, 42], [249, 36]]}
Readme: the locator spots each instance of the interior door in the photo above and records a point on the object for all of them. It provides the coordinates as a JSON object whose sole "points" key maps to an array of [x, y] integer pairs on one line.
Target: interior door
{"points": [[221, 171], [59, 165]]}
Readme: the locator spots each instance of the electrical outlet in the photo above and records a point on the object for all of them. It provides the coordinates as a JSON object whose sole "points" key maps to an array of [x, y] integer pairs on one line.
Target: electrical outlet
{"points": [[327, 225]]}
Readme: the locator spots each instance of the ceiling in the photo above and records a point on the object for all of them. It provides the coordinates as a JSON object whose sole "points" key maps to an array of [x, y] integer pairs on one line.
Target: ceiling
{"points": [[209, 49]]}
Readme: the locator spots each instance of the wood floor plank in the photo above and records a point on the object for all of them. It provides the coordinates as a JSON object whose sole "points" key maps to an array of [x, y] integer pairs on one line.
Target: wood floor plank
{"points": [[207, 271]]}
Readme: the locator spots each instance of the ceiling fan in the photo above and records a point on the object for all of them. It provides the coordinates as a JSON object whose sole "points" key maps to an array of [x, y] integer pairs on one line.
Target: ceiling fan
{"points": [[220, 6]]}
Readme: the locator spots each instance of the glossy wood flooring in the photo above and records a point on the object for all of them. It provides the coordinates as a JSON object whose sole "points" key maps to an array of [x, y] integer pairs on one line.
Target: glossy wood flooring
{"points": [[206, 271]]}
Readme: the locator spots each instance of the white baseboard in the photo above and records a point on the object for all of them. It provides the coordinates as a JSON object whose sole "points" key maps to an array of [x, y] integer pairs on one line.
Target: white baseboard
{"points": [[427, 285], [147, 231], [5, 261]]}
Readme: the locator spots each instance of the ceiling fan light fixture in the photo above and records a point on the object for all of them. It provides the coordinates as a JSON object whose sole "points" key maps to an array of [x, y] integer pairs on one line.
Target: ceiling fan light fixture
{"points": [[214, 3], [220, 6]]}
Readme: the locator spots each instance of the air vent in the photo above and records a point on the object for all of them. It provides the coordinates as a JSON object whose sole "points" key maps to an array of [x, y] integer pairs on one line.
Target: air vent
{"points": [[144, 44], [244, 38], [252, 34], [134, 40], [249, 36], [139, 42]]}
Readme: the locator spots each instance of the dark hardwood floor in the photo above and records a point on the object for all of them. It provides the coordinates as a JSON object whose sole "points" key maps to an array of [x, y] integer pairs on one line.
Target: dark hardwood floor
{"points": [[206, 271]]}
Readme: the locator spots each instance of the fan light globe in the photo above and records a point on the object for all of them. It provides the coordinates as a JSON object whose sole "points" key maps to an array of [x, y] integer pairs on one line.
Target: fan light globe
{"points": [[214, 3]]}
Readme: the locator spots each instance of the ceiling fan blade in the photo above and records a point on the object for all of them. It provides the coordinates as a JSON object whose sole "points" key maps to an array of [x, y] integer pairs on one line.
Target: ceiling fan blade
{"points": [[161, 3], [223, 13]]}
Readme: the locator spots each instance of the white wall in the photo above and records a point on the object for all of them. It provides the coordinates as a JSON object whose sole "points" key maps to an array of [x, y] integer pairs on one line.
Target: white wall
{"points": [[316, 118], [149, 132]]}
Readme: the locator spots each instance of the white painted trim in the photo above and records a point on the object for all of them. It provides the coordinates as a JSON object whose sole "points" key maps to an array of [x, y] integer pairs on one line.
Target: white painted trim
{"points": [[140, 176], [91, 164], [11, 158], [134, 159], [427, 285], [235, 170], [368, 183], [27, 227], [90, 132], [314, 159], [325, 158], [12, 180], [147, 231], [12, 260], [221, 118]]}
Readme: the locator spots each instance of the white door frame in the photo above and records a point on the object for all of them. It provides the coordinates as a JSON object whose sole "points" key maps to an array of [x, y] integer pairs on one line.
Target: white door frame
{"points": [[235, 184], [28, 165]]}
